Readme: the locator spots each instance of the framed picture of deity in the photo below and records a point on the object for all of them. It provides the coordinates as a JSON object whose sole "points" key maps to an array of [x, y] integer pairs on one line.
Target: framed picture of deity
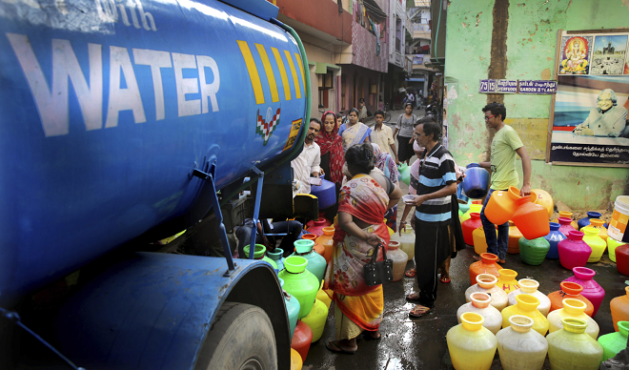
{"points": [[588, 114]]}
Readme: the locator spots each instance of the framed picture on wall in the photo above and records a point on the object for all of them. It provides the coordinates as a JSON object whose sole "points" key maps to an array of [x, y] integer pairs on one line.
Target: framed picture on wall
{"points": [[589, 113]]}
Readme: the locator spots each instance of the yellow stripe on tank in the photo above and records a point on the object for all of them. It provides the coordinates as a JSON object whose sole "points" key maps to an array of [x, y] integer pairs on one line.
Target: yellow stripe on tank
{"points": [[282, 69], [294, 73], [301, 68], [253, 71], [269, 73]]}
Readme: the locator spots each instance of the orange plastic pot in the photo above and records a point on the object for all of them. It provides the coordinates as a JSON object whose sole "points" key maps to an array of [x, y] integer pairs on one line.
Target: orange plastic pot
{"points": [[326, 240], [531, 219], [317, 246], [569, 290], [567, 215], [501, 205], [514, 239], [487, 265]]}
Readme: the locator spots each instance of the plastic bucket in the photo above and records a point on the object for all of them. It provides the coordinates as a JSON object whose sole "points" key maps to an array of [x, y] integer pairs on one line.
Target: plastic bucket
{"points": [[618, 225]]}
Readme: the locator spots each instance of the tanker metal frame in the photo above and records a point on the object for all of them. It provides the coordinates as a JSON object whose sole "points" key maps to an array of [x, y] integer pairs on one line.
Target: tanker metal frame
{"points": [[130, 120]]}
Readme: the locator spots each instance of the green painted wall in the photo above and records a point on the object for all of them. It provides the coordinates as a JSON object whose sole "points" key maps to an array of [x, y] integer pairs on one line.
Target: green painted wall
{"points": [[530, 50]]}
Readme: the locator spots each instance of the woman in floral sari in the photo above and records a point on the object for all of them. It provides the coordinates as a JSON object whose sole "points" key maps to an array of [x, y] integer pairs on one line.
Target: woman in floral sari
{"points": [[386, 164], [363, 202], [354, 132]]}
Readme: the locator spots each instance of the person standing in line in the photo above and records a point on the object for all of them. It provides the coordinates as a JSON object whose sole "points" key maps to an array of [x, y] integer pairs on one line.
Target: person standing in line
{"points": [[308, 161], [383, 136], [332, 156], [405, 124], [362, 115], [386, 164], [504, 147], [354, 132], [433, 214]]}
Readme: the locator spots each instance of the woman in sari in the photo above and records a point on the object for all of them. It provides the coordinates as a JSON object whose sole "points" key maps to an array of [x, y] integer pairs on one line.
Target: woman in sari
{"points": [[332, 156], [363, 202], [354, 132], [386, 164]]}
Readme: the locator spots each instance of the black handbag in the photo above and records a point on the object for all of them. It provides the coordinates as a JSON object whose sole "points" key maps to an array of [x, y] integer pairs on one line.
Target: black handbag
{"points": [[380, 272]]}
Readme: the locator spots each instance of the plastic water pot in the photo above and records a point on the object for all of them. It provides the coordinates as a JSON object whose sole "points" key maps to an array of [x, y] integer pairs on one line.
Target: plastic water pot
{"points": [[480, 304], [316, 319], [597, 223], [501, 205], [506, 280], [585, 221], [486, 283], [471, 345], [531, 219], [278, 257], [529, 286], [566, 214], [514, 239], [399, 259], [326, 193], [317, 246], [469, 226], [292, 309], [612, 244], [296, 363], [526, 305], [405, 173], [302, 339], [316, 262], [487, 265], [595, 242], [571, 348], [573, 251], [480, 242], [622, 259], [474, 208], [572, 308], [545, 200], [318, 226], [553, 238], [613, 343], [258, 254], [620, 308], [565, 225], [519, 347], [591, 289], [476, 182], [327, 241], [569, 290], [300, 283], [533, 252], [407, 241], [460, 195]]}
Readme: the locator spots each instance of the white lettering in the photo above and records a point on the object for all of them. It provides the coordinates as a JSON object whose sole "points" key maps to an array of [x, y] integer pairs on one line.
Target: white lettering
{"points": [[186, 85], [122, 99], [134, 17], [208, 90], [123, 13], [144, 16], [53, 104], [156, 60]]}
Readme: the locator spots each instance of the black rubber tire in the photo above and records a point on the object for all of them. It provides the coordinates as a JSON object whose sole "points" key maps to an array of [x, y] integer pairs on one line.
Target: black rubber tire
{"points": [[241, 338]]}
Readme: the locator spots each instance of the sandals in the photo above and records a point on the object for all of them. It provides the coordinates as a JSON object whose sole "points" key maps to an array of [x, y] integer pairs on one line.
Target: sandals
{"points": [[445, 279], [334, 347], [413, 297], [419, 311], [411, 272]]}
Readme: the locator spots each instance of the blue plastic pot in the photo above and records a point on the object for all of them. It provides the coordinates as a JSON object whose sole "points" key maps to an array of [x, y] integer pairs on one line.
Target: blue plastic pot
{"points": [[460, 195], [476, 182], [586, 220], [326, 193], [554, 237]]}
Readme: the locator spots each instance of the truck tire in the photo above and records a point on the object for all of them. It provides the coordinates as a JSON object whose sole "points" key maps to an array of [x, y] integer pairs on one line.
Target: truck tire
{"points": [[241, 338]]}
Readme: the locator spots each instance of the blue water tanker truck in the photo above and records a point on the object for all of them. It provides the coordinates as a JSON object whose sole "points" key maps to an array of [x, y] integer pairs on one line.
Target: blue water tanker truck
{"points": [[123, 122]]}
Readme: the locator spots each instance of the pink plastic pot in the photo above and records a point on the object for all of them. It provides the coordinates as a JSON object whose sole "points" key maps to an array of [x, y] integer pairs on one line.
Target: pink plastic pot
{"points": [[573, 252], [591, 290], [318, 226], [565, 225]]}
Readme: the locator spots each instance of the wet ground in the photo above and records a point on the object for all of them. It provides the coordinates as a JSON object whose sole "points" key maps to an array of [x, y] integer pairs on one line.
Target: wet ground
{"points": [[421, 343]]}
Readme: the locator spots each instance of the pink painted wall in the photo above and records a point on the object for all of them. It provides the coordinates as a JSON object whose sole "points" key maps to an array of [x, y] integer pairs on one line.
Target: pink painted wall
{"points": [[364, 45]]}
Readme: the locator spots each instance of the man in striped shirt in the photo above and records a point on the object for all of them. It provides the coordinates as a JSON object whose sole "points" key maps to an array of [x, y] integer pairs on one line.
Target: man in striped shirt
{"points": [[433, 212]]}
